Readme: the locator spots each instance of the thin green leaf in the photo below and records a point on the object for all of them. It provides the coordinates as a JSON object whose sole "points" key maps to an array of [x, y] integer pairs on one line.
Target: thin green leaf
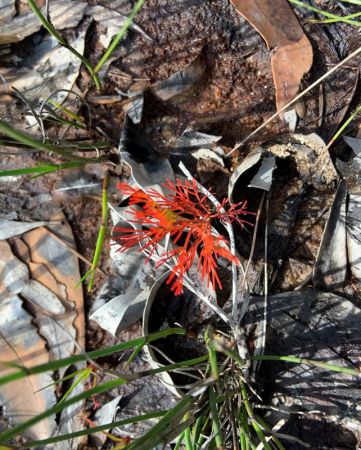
{"points": [[29, 141], [326, 13], [89, 431], [216, 424], [41, 169], [154, 434], [179, 441], [50, 28], [80, 377], [65, 362], [119, 36], [107, 386], [308, 362]]}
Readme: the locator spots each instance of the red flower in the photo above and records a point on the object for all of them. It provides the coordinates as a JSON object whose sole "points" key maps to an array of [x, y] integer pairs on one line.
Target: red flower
{"points": [[186, 216]]}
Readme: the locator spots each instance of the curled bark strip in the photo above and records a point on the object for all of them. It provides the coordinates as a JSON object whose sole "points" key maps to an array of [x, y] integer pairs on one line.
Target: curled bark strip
{"points": [[292, 54]]}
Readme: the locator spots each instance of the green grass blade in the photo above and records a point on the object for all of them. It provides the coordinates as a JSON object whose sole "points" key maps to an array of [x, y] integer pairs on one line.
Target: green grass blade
{"points": [[154, 434], [325, 21], [107, 386], [179, 441], [212, 353], [41, 169], [119, 36], [50, 28], [89, 431], [29, 141], [308, 362], [80, 377], [216, 423], [353, 2], [344, 125], [326, 13], [65, 362], [101, 234], [197, 431], [276, 441]]}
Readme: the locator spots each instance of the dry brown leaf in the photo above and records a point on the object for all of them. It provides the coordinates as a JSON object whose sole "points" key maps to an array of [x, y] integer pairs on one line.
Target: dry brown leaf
{"points": [[292, 52], [21, 344], [53, 265]]}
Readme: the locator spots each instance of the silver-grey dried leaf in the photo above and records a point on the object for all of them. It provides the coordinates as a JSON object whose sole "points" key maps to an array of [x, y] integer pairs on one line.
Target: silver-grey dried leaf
{"points": [[353, 227], [150, 174], [21, 344], [7, 10], [49, 67], [331, 262], [139, 397], [249, 161], [319, 326], [63, 14], [122, 311], [59, 336], [354, 143], [263, 178], [41, 296], [195, 139], [103, 416], [71, 418], [181, 81], [14, 274], [12, 228], [148, 168], [134, 107], [121, 301]]}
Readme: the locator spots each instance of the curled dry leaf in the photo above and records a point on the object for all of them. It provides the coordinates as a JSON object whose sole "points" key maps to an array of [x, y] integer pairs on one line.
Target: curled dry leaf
{"points": [[180, 82], [292, 54], [21, 344], [12, 228], [353, 228], [319, 326], [331, 261]]}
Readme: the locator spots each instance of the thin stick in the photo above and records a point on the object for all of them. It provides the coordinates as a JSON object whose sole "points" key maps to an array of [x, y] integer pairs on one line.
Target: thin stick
{"points": [[298, 97], [86, 261]]}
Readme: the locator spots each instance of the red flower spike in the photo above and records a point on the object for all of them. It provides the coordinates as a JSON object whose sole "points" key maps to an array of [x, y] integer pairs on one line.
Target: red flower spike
{"points": [[186, 214]]}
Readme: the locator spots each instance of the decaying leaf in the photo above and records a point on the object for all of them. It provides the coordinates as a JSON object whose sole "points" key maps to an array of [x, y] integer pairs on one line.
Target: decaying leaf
{"points": [[47, 68], [134, 107], [12, 228], [354, 143], [105, 414], [71, 418], [63, 13], [353, 226], [52, 264], [331, 261], [263, 178], [180, 82], [148, 169], [7, 10], [21, 344], [292, 54], [319, 326]]}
